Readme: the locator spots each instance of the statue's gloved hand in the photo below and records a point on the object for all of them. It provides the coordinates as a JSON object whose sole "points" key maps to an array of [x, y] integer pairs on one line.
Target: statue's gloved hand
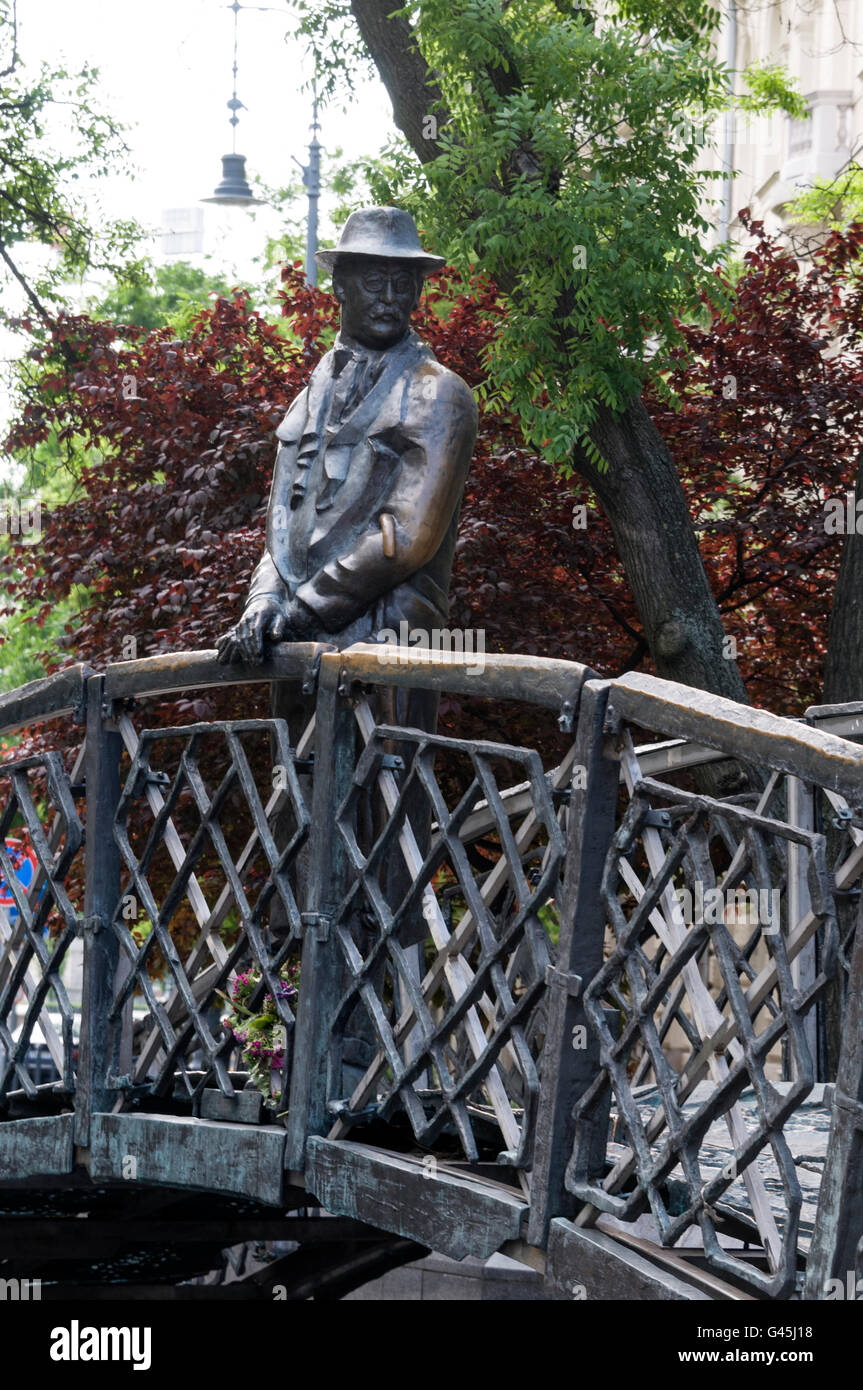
{"points": [[262, 620]]}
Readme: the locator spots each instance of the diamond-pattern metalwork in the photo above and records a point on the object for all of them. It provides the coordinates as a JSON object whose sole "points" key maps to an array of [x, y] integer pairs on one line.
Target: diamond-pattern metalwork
{"points": [[428, 951], [456, 1028], [725, 982], [36, 934], [231, 873]]}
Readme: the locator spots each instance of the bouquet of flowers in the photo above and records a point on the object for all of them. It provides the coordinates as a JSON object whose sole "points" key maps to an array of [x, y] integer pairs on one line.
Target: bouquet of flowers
{"points": [[261, 1033]]}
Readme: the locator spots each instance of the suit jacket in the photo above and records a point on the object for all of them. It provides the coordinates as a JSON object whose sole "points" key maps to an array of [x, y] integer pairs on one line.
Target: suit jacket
{"points": [[403, 451]]}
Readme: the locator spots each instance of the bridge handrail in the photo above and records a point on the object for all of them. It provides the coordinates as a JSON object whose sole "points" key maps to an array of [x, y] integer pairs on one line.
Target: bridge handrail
{"points": [[788, 745], [546, 681], [50, 697]]}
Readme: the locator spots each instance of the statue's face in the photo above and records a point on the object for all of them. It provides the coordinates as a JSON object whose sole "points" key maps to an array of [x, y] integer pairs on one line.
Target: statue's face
{"points": [[377, 298]]}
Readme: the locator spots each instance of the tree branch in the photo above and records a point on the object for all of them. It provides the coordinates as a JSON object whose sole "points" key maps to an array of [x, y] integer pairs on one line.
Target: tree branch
{"points": [[14, 63], [34, 299], [410, 82]]}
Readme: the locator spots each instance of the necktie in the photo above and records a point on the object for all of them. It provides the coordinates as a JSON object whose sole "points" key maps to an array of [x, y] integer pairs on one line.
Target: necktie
{"points": [[351, 370], [355, 374], [347, 371]]}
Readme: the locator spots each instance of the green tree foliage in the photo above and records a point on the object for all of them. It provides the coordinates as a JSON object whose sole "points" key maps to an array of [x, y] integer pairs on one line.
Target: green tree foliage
{"points": [[770, 90], [53, 140], [25, 643], [834, 203], [170, 296], [565, 160]]}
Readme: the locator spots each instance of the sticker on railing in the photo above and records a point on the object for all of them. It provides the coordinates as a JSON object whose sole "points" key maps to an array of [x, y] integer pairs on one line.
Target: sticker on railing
{"points": [[25, 864]]}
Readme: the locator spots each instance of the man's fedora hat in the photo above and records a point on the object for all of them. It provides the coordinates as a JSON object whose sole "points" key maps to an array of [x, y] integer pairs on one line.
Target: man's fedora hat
{"points": [[382, 232]]}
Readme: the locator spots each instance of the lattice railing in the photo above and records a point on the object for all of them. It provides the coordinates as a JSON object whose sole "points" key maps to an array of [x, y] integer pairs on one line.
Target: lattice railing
{"points": [[452, 1015], [706, 1026], [841, 823], [606, 971], [39, 821], [198, 816]]}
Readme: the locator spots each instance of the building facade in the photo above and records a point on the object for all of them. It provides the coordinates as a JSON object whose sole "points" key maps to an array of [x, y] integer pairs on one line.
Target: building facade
{"points": [[767, 160]]}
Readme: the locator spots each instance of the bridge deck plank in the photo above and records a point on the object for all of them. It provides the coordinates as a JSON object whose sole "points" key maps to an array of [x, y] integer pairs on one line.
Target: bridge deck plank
{"points": [[592, 1265], [180, 1152], [454, 1214], [41, 1144]]}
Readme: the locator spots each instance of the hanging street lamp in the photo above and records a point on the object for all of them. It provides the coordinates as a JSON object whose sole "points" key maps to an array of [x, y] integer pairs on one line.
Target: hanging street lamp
{"points": [[234, 190]]}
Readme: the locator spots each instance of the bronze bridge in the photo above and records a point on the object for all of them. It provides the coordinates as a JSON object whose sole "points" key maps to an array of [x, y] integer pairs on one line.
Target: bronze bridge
{"points": [[592, 1010]]}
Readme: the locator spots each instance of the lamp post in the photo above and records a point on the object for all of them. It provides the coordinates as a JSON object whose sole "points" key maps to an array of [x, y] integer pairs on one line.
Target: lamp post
{"points": [[728, 140], [234, 190], [311, 173]]}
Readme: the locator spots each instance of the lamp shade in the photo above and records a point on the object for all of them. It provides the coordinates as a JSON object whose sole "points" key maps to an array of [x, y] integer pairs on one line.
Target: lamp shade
{"points": [[234, 190]]}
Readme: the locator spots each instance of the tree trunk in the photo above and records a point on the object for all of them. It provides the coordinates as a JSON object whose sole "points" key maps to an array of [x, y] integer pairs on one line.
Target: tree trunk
{"points": [[642, 496], [641, 492], [843, 682]]}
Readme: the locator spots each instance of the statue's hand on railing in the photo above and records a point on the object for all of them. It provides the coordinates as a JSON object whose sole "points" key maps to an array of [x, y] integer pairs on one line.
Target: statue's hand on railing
{"points": [[263, 619], [266, 619]]}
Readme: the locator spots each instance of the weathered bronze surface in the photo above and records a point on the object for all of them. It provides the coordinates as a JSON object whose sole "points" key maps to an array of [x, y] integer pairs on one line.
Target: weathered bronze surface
{"points": [[504, 1054], [371, 464]]}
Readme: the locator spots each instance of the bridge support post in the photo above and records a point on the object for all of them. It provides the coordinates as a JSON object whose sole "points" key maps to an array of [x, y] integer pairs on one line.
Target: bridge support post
{"points": [[834, 1268], [335, 739], [102, 890], [570, 1058]]}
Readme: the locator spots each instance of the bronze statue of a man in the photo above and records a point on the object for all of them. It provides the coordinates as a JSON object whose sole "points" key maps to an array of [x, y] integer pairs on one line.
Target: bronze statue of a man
{"points": [[371, 464]]}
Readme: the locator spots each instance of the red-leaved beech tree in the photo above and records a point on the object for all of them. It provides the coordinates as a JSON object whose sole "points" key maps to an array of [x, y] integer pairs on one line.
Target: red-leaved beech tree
{"points": [[770, 428]]}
